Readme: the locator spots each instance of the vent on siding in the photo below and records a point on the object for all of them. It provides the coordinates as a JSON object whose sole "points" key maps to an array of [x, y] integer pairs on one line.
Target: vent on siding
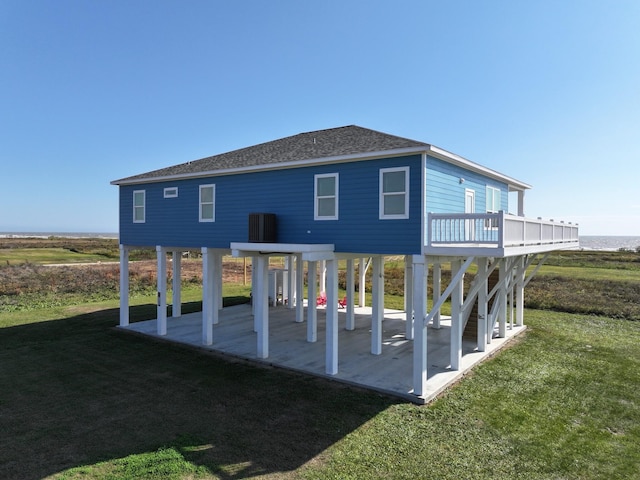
{"points": [[262, 227]]}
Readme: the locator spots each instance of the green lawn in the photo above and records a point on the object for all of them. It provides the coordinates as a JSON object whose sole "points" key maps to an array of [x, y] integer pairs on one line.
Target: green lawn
{"points": [[600, 274], [47, 256], [80, 400]]}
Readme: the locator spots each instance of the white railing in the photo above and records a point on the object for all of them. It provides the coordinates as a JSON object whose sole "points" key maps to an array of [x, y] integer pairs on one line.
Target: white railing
{"points": [[497, 230]]}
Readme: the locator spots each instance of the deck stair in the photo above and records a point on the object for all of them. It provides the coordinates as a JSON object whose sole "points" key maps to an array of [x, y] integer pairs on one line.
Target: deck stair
{"points": [[471, 329]]}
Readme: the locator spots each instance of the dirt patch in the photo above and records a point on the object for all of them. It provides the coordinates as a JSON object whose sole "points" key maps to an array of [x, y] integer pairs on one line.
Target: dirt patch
{"points": [[233, 271]]}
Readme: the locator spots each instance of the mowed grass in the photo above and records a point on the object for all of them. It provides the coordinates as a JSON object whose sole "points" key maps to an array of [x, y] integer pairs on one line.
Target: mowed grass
{"points": [[47, 256], [563, 403], [80, 400]]}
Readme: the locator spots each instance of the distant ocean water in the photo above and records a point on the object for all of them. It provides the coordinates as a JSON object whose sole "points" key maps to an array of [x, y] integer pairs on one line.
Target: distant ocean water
{"points": [[587, 242], [57, 234], [609, 243]]}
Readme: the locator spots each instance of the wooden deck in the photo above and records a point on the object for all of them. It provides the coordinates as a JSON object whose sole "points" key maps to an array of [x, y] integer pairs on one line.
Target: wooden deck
{"points": [[390, 373]]}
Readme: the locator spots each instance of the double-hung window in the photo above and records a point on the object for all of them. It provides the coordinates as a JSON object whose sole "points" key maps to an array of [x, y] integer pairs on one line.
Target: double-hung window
{"points": [[138, 206], [207, 203], [493, 205], [326, 196], [394, 193]]}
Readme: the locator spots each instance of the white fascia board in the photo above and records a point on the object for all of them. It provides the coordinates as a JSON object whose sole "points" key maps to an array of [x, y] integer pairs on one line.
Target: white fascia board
{"points": [[309, 251], [514, 185], [398, 152]]}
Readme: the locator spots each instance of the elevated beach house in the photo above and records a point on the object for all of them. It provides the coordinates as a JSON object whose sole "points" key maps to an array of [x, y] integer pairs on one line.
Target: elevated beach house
{"points": [[341, 200]]}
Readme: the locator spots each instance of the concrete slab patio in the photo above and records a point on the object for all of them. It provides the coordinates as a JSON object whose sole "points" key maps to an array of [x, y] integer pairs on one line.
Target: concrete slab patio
{"points": [[389, 373]]}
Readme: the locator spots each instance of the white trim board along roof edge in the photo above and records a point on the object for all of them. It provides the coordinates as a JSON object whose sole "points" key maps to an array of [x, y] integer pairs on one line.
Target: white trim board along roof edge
{"points": [[331, 146], [275, 166]]}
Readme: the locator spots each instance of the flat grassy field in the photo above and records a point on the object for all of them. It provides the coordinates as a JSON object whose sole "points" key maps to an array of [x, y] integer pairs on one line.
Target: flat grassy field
{"points": [[80, 400], [47, 256]]}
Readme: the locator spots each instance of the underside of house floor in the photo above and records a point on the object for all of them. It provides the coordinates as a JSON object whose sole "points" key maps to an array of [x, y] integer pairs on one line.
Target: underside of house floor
{"points": [[388, 373]]}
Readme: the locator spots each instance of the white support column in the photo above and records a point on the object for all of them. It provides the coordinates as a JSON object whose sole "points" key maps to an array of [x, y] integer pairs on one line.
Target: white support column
{"points": [[456, 317], [254, 282], [520, 292], [312, 314], [377, 304], [351, 319], [408, 297], [253, 292], [162, 290], [124, 286], [261, 298], [290, 287], [437, 289], [217, 286], [208, 303], [521, 203], [362, 274], [419, 268], [332, 318], [502, 293], [299, 294], [491, 321], [483, 305], [323, 276], [511, 307], [176, 285]]}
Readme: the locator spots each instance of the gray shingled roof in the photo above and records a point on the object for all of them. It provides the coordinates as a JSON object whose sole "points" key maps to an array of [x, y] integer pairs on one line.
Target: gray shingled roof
{"points": [[349, 140]]}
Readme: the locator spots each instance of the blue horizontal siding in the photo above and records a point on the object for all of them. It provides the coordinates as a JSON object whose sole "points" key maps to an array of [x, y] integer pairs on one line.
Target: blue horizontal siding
{"points": [[445, 193], [289, 193]]}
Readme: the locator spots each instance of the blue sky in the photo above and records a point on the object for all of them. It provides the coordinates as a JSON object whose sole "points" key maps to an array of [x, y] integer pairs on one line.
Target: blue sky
{"points": [[547, 92]]}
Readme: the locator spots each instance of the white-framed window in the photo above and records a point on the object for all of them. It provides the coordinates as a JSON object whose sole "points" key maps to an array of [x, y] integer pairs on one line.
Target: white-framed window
{"points": [[171, 192], [394, 193], [207, 203], [326, 196], [138, 206], [494, 202]]}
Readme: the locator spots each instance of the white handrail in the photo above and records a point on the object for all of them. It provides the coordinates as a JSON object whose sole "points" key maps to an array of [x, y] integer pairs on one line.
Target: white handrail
{"points": [[496, 229]]}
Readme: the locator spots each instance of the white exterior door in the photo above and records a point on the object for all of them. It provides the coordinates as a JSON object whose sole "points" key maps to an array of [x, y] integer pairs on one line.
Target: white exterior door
{"points": [[469, 207]]}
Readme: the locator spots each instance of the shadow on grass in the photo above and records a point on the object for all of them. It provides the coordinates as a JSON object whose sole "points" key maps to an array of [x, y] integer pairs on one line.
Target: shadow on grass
{"points": [[74, 392]]}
